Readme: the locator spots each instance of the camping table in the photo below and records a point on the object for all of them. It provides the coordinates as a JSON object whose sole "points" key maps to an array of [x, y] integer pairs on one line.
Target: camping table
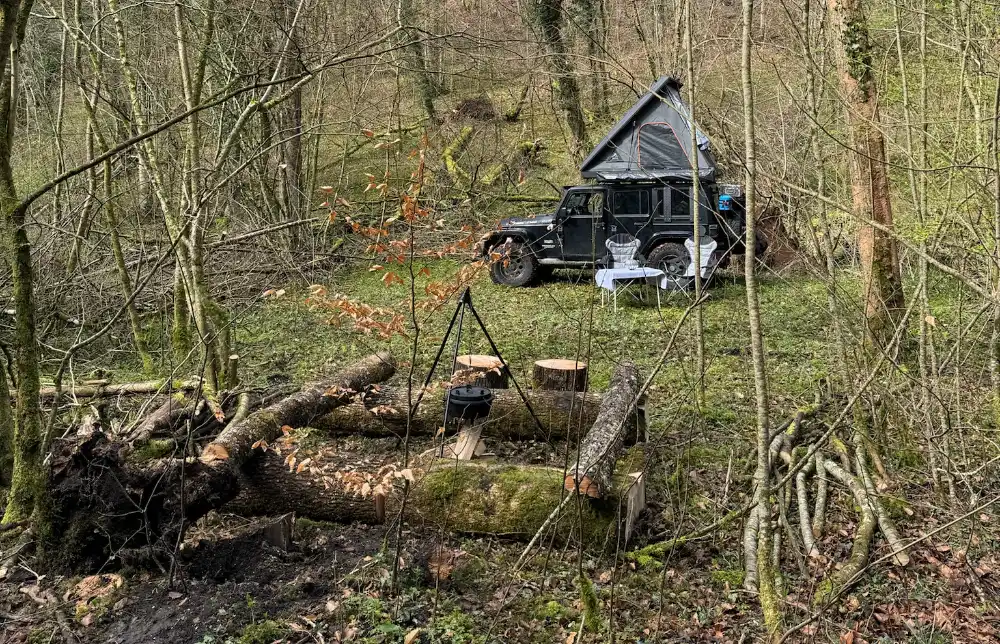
{"points": [[614, 280]]}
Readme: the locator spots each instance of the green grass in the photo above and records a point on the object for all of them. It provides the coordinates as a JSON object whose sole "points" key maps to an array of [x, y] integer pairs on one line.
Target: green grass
{"points": [[565, 319]]}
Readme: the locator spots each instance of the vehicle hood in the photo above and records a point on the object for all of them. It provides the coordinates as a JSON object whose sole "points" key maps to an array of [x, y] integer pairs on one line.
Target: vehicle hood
{"points": [[535, 220]]}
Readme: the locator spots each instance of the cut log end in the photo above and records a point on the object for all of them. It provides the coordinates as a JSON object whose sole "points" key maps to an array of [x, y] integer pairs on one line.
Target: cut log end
{"points": [[586, 486], [560, 375], [214, 452]]}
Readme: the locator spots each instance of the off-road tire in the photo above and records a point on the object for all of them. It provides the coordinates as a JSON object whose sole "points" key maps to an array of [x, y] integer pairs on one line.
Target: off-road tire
{"points": [[517, 266], [673, 259]]}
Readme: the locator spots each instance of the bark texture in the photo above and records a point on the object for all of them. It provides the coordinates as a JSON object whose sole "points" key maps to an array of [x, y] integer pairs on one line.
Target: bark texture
{"points": [[566, 415], [235, 443], [548, 16], [593, 471], [560, 375], [512, 501], [883, 293]]}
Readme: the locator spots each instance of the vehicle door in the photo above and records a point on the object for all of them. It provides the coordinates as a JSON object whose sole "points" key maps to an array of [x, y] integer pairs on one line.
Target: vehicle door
{"points": [[630, 211], [582, 221]]}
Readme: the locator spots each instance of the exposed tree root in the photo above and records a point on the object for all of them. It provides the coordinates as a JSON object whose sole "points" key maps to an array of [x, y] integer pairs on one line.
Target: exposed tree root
{"points": [[105, 505]]}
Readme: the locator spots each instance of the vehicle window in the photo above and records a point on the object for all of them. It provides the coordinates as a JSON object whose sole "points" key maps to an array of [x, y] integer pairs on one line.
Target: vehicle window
{"points": [[585, 204], [596, 204], [575, 200], [680, 205], [632, 202]]}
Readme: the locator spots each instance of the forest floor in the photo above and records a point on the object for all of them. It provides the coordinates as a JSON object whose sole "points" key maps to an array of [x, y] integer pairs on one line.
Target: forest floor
{"points": [[334, 584]]}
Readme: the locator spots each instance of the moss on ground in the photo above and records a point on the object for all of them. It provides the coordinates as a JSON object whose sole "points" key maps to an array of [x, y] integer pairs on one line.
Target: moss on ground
{"points": [[153, 449], [264, 632]]}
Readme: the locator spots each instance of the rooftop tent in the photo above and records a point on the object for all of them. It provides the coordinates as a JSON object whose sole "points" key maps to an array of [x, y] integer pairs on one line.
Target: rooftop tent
{"points": [[652, 141]]}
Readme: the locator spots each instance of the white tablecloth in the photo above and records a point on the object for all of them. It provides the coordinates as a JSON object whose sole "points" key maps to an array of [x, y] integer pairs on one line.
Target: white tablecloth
{"points": [[607, 277]]}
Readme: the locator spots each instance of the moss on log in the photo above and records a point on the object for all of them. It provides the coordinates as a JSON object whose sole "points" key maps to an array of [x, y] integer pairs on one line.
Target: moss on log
{"points": [[455, 148], [506, 500]]}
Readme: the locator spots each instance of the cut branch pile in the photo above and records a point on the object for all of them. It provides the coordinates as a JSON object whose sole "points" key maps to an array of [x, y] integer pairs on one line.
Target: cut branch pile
{"points": [[805, 471]]}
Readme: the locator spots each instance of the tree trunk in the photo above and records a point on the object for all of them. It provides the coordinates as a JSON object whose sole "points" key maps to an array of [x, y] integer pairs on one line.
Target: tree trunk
{"points": [[235, 443], [406, 16], [757, 536], [28, 493], [548, 16], [883, 294], [564, 415], [592, 473], [595, 24], [512, 501], [482, 371], [99, 390], [291, 149], [6, 430]]}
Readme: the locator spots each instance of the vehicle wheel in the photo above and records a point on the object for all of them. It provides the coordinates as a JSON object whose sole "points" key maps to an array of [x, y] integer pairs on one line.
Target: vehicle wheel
{"points": [[673, 259], [517, 266]]}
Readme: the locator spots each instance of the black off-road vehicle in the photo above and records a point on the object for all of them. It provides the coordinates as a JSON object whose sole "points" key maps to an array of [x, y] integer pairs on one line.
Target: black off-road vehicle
{"points": [[643, 188]]}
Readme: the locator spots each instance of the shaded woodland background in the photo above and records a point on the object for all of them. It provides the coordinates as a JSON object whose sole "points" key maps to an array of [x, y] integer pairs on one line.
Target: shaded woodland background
{"points": [[252, 195]]}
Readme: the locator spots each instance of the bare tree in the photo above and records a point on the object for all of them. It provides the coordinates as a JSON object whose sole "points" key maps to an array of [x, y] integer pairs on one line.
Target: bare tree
{"points": [[758, 536]]}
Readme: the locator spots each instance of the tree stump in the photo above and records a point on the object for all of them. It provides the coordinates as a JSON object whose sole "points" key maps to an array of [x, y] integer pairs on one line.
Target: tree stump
{"points": [[488, 371], [560, 375]]}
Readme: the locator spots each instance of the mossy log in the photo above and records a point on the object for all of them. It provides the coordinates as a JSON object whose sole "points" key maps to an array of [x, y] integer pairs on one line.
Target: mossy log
{"points": [[453, 150], [592, 473], [127, 388], [511, 501], [564, 414], [235, 443], [525, 153]]}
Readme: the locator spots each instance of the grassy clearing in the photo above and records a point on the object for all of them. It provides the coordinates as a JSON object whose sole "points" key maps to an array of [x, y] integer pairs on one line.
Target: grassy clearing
{"points": [[564, 318]]}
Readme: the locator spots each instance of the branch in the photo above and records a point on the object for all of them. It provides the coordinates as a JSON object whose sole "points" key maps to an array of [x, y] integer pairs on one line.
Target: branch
{"points": [[166, 125]]}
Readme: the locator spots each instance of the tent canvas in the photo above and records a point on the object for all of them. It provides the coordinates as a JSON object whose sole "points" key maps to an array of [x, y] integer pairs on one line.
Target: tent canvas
{"points": [[651, 142]]}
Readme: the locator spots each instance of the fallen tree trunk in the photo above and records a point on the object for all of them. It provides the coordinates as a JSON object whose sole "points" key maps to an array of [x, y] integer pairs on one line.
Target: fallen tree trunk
{"points": [[235, 443], [106, 507], [564, 414], [593, 471], [101, 390], [170, 415], [511, 501]]}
